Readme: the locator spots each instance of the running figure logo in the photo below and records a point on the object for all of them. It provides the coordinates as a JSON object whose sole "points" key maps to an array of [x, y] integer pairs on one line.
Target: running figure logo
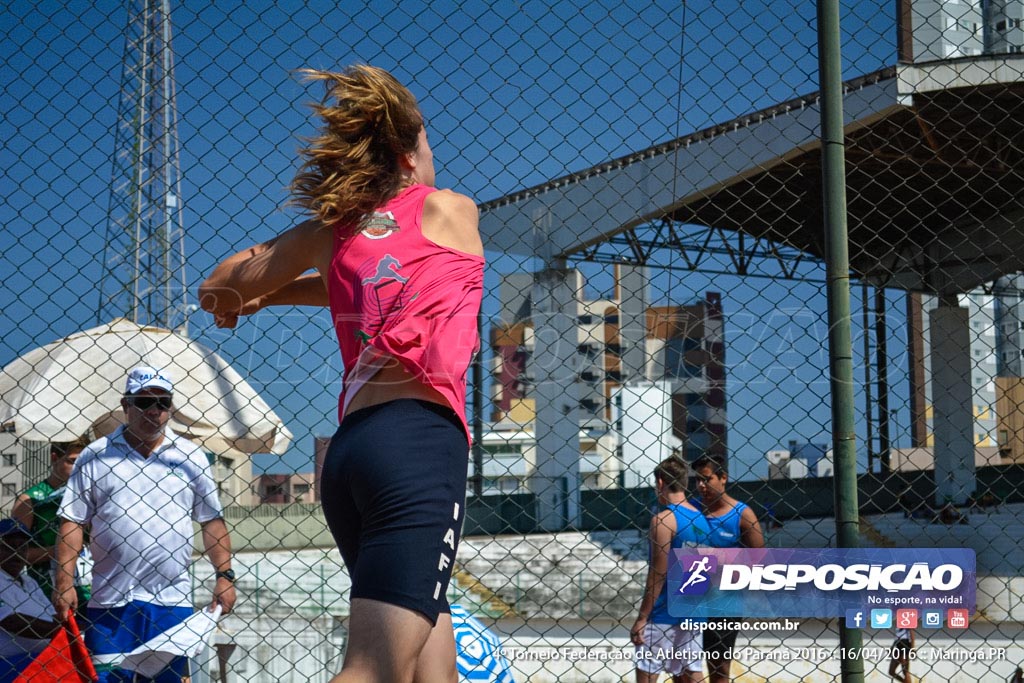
{"points": [[387, 271], [697, 570], [384, 293]]}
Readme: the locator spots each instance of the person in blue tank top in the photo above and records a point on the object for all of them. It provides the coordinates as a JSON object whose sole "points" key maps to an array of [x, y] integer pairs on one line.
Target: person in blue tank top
{"points": [[732, 524], [661, 645]]}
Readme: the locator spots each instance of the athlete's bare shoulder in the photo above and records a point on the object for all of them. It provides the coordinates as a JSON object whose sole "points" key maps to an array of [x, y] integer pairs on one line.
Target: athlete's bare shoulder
{"points": [[452, 220]]}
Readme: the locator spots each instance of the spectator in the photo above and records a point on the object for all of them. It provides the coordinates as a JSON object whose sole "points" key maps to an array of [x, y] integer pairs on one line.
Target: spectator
{"points": [[26, 617], [36, 508], [901, 655], [732, 524], [660, 642], [139, 490]]}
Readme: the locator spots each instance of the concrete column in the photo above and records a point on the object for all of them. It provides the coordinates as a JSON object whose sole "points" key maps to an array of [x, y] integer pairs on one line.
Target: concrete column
{"points": [[553, 368], [633, 302], [953, 417]]}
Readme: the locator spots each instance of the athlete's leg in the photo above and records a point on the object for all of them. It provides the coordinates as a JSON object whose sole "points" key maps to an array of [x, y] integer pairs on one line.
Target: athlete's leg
{"points": [[408, 486], [385, 642], [436, 663], [718, 672]]}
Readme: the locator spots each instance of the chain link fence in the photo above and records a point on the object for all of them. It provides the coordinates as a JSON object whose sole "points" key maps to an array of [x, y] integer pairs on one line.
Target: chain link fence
{"points": [[649, 177]]}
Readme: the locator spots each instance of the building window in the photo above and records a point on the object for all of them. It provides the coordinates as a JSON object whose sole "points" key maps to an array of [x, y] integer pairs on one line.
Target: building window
{"points": [[9, 459], [504, 449], [676, 365], [9, 490], [501, 484], [300, 489], [585, 319]]}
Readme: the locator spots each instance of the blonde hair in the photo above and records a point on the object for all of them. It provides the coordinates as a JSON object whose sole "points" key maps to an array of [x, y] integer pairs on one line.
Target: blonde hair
{"points": [[352, 166]]}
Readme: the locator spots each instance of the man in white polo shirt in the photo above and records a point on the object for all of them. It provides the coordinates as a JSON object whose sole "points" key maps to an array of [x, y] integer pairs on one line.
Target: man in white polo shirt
{"points": [[139, 491]]}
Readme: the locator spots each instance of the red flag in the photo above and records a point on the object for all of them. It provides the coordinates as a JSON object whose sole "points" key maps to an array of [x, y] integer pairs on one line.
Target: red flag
{"points": [[65, 659]]}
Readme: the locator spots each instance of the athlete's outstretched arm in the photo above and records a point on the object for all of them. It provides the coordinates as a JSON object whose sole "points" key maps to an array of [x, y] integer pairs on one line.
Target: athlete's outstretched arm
{"points": [[269, 274]]}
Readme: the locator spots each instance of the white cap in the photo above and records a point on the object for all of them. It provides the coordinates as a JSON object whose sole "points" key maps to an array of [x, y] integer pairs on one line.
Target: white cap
{"points": [[147, 378]]}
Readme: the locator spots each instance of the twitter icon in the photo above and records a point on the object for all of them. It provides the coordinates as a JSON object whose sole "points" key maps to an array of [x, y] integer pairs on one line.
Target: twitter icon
{"points": [[881, 618]]}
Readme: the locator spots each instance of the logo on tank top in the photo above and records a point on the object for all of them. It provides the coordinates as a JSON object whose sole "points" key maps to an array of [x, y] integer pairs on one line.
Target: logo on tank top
{"points": [[387, 271], [380, 225], [383, 295]]}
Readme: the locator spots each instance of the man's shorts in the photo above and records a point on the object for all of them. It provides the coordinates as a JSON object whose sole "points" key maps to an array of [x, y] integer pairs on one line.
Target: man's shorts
{"points": [[113, 632], [670, 649], [394, 496]]}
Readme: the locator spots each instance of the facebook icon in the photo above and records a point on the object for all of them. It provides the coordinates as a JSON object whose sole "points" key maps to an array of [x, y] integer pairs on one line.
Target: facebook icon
{"points": [[854, 618]]}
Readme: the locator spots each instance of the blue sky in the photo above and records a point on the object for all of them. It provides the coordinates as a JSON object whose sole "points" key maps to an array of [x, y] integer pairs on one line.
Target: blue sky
{"points": [[514, 94]]}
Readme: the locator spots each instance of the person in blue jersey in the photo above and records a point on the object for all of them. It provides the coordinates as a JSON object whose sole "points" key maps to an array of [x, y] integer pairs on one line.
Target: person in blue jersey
{"points": [[732, 525], [661, 645]]}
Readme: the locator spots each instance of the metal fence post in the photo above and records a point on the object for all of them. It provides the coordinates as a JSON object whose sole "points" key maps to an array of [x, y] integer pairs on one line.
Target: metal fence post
{"points": [[838, 275]]}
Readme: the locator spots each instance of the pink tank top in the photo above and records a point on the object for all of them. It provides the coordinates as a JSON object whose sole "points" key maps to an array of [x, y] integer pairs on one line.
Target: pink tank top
{"points": [[396, 294]]}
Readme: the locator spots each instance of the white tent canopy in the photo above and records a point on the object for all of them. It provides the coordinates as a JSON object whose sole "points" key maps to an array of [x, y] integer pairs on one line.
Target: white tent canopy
{"points": [[73, 387]]}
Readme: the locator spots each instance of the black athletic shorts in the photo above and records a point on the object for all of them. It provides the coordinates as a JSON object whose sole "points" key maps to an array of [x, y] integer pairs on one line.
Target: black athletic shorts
{"points": [[720, 640], [393, 488]]}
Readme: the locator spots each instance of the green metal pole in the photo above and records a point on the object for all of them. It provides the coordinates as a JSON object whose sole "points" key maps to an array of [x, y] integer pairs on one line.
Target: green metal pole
{"points": [[478, 413], [837, 264]]}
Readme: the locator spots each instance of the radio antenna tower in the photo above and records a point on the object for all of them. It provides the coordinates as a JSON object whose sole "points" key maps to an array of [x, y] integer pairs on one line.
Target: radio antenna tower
{"points": [[144, 255]]}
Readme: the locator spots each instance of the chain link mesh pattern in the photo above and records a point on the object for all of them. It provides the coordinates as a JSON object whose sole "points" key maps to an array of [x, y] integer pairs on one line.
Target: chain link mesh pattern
{"points": [[649, 180]]}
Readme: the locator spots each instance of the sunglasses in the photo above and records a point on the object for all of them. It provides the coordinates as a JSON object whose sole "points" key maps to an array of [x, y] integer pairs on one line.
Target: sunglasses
{"points": [[144, 403]]}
